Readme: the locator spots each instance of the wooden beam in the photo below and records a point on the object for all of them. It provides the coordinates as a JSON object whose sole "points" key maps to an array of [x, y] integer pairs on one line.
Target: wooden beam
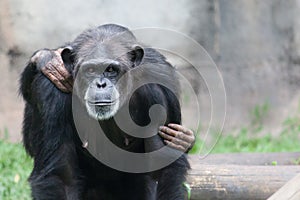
{"points": [[227, 181], [290, 191], [238, 182]]}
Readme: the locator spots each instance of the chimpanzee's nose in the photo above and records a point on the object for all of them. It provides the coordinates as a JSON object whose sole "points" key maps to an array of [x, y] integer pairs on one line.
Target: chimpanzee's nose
{"points": [[101, 83]]}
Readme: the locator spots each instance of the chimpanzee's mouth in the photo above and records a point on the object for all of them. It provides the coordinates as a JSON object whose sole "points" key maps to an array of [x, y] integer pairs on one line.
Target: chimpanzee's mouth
{"points": [[102, 103]]}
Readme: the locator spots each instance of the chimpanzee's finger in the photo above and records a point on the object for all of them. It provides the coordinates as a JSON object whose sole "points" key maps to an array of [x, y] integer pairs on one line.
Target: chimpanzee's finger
{"points": [[60, 67], [180, 142], [56, 78], [168, 130], [181, 128], [177, 134], [189, 133], [56, 82], [63, 77], [174, 140], [165, 136], [174, 146], [55, 63]]}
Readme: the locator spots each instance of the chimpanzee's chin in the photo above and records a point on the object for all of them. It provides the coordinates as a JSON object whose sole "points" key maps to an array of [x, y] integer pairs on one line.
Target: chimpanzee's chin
{"points": [[102, 112]]}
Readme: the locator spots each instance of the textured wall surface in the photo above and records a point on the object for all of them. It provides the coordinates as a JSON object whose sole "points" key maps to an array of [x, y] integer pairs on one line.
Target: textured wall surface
{"points": [[256, 45]]}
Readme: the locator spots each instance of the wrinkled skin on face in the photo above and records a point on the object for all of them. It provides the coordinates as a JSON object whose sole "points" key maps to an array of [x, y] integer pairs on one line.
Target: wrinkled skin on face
{"points": [[97, 88], [97, 77]]}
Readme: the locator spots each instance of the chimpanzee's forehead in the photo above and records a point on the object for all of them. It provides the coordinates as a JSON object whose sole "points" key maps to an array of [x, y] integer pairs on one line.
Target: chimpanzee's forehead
{"points": [[100, 62], [102, 50]]}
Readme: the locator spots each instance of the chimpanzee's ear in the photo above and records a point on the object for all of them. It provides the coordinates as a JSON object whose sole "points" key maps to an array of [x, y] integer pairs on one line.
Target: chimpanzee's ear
{"points": [[136, 55], [67, 55]]}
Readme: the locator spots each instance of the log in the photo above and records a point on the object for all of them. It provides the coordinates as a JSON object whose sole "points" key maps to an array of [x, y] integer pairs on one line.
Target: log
{"points": [[238, 181], [231, 181], [290, 191]]}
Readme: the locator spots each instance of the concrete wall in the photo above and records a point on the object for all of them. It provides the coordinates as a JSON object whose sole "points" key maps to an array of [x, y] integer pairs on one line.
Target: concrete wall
{"points": [[255, 44]]}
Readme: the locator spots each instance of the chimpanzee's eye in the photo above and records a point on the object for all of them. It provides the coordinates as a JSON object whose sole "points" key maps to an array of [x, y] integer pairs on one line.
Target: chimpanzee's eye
{"points": [[90, 70], [110, 69]]}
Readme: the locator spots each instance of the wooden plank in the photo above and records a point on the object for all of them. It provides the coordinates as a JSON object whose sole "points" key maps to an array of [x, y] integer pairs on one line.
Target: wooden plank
{"points": [[290, 191], [288, 158], [238, 181]]}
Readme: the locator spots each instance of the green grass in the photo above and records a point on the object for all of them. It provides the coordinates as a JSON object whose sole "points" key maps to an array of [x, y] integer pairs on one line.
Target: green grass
{"points": [[15, 167], [255, 139], [246, 142]]}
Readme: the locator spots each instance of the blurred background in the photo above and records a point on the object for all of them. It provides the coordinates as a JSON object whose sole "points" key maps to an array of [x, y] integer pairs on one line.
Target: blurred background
{"points": [[255, 44]]}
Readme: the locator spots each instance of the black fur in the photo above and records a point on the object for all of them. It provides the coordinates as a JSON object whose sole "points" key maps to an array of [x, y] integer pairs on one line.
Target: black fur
{"points": [[63, 169]]}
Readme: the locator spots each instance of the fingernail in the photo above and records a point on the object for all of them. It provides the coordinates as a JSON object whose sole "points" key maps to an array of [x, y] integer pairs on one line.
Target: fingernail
{"points": [[171, 125], [161, 127]]}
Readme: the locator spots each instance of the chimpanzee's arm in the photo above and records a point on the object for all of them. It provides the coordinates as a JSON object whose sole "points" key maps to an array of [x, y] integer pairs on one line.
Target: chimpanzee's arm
{"points": [[48, 133]]}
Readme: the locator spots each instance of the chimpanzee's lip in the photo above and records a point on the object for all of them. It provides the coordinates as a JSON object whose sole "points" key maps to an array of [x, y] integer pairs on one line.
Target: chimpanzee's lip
{"points": [[102, 103]]}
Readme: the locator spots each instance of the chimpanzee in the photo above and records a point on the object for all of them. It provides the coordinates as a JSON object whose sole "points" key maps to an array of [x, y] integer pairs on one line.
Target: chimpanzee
{"points": [[50, 63], [63, 167]]}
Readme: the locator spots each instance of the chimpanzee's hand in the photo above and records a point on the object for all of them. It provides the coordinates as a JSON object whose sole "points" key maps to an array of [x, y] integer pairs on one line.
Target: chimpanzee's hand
{"points": [[177, 137], [51, 64]]}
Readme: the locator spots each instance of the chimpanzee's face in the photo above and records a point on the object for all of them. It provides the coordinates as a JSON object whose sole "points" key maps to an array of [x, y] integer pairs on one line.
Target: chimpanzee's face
{"points": [[97, 77], [100, 94]]}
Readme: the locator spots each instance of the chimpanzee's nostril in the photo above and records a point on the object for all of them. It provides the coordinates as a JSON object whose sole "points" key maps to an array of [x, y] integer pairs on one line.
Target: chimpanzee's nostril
{"points": [[101, 84]]}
